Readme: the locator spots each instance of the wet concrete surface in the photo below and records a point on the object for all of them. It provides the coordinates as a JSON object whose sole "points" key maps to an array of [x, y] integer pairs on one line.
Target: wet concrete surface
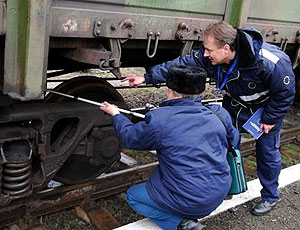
{"points": [[285, 215]]}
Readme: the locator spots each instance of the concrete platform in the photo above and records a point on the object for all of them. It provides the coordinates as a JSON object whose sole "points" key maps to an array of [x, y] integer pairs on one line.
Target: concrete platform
{"points": [[234, 213]]}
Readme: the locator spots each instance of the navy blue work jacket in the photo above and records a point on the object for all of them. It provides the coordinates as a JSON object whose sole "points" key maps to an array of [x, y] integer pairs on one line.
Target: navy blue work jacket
{"points": [[262, 77], [193, 176]]}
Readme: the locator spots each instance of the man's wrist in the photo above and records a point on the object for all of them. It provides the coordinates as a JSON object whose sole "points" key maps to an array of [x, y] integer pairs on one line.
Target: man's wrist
{"points": [[115, 113]]}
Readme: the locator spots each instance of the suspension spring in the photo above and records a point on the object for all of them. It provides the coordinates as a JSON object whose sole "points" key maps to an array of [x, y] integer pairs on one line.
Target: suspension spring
{"points": [[16, 178]]}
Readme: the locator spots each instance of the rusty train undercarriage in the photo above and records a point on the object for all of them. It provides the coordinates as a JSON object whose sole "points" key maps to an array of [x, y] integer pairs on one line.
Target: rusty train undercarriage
{"points": [[72, 142]]}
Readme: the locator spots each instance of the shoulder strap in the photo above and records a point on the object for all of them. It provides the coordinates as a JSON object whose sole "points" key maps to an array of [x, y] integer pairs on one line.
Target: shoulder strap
{"points": [[231, 148]]}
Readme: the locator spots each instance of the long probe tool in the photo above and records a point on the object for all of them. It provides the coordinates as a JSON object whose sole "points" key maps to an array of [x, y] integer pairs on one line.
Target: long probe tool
{"points": [[96, 103]]}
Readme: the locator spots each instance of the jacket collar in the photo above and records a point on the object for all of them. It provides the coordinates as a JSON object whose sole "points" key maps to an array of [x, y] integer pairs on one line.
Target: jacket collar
{"points": [[249, 43], [185, 101]]}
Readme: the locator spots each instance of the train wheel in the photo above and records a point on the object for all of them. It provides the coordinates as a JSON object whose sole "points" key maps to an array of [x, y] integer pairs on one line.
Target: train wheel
{"points": [[82, 165]]}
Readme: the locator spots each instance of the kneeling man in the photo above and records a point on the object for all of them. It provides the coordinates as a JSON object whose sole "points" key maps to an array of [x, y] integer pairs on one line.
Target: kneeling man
{"points": [[193, 176]]}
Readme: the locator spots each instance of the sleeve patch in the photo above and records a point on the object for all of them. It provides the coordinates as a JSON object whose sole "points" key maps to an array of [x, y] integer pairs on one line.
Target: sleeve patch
{"points": [[286, 80]]}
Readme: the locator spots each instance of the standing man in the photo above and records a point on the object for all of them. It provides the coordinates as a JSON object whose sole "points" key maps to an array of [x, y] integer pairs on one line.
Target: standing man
{"points": [[193, 176], [251, 74]]}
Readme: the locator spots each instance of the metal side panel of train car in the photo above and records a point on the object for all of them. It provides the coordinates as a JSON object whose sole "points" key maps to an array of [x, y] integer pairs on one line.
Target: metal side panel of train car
{"points": [[111, 34], [94, 31], [127, 33]]}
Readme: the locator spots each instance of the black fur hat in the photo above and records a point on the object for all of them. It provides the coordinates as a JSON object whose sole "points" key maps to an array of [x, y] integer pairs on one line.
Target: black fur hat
{"points": [[186, 79]]}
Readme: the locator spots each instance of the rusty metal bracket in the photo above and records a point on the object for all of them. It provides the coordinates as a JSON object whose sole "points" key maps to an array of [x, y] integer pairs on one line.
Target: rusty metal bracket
{"points": [[115, 32], [115, 59], [186, 32], [283, 43], [187, 47], [87, 55], [297, 58], [108, 29], [105, 59], [271, 36]]}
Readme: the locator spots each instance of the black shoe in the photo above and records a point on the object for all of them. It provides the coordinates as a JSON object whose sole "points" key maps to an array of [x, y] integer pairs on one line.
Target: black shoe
{"points": [[262, 207], [188, 224]]}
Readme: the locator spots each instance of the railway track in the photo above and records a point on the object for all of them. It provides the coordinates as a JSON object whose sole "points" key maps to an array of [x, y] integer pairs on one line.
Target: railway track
{"points": [[82, 197]]}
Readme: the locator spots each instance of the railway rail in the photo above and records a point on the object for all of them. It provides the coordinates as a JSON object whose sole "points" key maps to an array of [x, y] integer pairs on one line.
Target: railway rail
{"points": [[50, 200]]}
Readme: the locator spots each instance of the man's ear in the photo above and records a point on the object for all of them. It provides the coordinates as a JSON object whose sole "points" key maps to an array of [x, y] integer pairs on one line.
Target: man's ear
{"points": [[170, 94], [227, 47]]}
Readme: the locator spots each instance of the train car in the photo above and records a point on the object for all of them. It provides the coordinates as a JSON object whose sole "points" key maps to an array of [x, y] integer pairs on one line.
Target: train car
{"points": [[45, 137]]}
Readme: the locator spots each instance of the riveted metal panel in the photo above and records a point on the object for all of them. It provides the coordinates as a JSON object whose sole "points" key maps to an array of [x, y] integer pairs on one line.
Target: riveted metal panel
{"points": [[68, 24], [77, 19]]}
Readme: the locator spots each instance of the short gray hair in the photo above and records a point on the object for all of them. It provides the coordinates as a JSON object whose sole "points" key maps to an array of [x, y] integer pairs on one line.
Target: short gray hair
{"points": [[193, 96], [223, 33]]}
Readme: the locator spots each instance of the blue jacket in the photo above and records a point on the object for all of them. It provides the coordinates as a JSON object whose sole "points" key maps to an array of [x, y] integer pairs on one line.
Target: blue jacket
{"points": [[263, 77], [193, 176]]}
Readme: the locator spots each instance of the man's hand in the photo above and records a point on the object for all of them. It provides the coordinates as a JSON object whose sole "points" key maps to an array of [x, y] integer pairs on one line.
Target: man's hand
{"points": [[266, 128], [110, 109], [135, 80]]}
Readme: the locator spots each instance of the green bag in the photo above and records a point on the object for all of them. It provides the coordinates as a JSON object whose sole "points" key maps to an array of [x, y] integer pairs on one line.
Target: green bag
{"points": [[234, 159], [239, 183]]}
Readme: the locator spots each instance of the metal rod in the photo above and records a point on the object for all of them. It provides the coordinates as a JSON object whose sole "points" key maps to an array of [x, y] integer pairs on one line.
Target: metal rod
{"points": [[96, 103]]}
